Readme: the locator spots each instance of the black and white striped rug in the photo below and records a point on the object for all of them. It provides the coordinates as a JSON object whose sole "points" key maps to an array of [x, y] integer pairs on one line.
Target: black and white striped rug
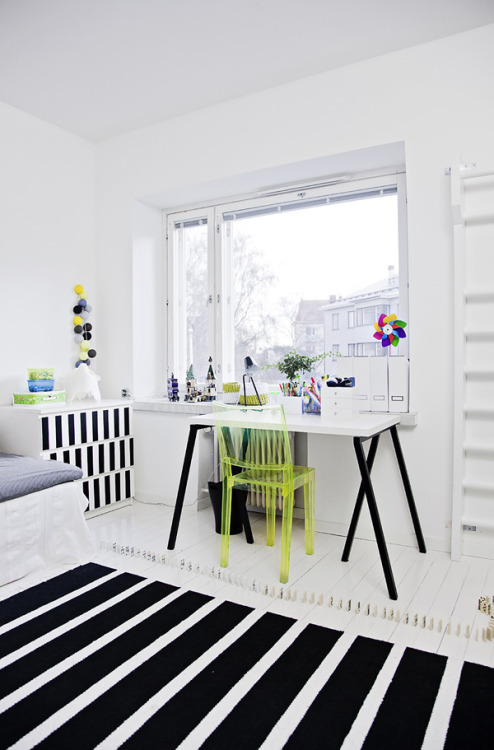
{"points": [[100, 658]]}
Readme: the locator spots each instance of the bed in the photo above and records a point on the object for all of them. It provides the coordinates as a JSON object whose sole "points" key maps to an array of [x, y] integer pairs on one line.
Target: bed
{"points": [[42, 522]]}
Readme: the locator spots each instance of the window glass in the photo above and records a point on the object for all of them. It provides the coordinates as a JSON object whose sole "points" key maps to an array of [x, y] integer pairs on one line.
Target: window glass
{"points": [[293, 269], [195, 280]]}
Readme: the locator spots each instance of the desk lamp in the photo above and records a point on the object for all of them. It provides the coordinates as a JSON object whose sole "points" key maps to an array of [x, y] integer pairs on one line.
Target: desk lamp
{"points": [[250, 366]]}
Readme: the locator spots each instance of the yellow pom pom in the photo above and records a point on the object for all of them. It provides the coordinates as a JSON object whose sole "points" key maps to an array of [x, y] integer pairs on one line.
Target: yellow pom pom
{"points": [[77, 321], [83, 295], [85, 346], [83, 356], [78, 288]]}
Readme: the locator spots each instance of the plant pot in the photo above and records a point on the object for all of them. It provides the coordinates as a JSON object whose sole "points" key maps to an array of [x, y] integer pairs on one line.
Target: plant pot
{"points": [[216, 495]]}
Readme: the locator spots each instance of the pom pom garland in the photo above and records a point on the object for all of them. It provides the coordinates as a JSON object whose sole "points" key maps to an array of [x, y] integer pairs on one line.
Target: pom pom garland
{"points": [[82, 328]]}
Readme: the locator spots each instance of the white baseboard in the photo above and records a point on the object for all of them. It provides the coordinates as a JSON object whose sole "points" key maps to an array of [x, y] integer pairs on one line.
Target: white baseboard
{"points": [[108, 508], [153, 499]]}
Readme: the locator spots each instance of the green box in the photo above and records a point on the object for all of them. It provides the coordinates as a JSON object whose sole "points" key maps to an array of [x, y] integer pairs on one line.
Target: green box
{"points": [[40, 398], [46, 374]]}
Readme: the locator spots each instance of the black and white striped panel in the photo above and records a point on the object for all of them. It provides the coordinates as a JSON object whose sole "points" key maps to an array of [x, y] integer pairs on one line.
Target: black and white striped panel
{"points": [[115, 660], [98, 458], [81, 427], [98, 441], [107, 489]]}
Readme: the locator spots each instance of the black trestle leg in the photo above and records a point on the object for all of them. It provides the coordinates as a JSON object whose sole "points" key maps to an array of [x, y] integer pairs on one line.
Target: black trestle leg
{"points": [[374, 514], [408, 489], [179, 503], [244, 515], [359, 502]]}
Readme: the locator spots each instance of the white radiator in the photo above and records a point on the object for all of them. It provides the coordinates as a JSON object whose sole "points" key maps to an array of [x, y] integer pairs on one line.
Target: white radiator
{"points": [[267, 447]]}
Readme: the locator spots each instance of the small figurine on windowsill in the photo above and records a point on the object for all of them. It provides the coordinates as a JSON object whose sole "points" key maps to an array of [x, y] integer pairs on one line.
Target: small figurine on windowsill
{"points": [[172, 384], [191, 392], [209, 393]]}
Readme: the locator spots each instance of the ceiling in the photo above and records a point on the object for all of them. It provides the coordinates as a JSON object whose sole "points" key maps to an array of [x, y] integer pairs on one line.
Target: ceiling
{"points": [[100, 68]]}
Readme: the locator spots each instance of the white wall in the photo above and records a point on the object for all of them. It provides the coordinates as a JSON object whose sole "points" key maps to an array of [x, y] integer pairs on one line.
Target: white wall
{"points": [[46, 244], [147, 302], [437, 98]]}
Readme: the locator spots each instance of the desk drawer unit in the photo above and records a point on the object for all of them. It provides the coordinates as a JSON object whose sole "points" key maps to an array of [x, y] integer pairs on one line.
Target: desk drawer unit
{"points": [[339, 403], [97, 438]]}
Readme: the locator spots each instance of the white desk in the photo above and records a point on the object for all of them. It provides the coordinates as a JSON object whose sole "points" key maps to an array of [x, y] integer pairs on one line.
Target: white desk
{"points": [[360, 428], [362, 425]]}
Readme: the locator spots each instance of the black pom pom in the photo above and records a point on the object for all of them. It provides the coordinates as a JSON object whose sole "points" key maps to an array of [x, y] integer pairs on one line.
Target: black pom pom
{"points": [[91, 353], [77, 309], [77, 329], [88, 326]]}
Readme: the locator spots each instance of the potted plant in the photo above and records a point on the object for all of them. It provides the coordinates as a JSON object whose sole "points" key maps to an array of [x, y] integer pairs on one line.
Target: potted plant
{"points": [[293, 365]]}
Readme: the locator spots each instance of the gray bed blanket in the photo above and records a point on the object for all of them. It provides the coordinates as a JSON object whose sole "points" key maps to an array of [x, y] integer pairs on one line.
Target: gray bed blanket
{"points": [[21, 475]]}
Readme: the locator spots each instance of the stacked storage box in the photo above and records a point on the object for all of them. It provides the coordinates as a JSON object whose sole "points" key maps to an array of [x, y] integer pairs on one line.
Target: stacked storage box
{"points": [[339, 403]]}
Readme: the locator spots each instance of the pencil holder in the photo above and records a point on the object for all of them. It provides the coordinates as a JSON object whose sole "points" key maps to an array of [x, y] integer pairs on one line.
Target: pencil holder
{"points": [[311, 401]]}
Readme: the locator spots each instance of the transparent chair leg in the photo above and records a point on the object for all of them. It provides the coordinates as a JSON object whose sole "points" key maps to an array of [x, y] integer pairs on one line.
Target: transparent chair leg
{"points": [[309, 517], [226, 513], [286, 536], [270, 515]]}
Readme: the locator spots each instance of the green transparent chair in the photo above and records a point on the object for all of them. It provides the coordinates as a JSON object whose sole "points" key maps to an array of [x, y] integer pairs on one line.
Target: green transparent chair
{"points": [[255, 453]]}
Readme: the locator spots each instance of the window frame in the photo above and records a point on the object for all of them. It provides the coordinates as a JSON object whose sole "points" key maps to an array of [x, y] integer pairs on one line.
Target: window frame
{"points": [[175, 287], [219, 261]]}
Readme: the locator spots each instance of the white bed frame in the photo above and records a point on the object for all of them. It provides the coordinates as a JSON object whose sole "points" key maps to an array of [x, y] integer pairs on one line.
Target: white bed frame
{"points": [[42, 530]]}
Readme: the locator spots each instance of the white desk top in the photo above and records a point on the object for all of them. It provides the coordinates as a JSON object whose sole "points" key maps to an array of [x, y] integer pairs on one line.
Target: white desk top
{"points": [[362, 425]]}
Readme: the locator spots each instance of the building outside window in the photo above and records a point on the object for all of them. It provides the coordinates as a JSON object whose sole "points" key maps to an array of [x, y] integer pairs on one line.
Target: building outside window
{"points": [[359, 314]]}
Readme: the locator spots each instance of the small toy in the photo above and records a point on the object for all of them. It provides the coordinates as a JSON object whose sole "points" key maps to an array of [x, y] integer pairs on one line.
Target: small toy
{"points": [[389, 330], [209, 393], [191, 392], [81, 384], [341, 383], [172, 384]]}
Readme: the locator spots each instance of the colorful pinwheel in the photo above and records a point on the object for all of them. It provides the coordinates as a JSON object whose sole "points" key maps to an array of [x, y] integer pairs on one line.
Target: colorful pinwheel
{"points": [[389, 330]]}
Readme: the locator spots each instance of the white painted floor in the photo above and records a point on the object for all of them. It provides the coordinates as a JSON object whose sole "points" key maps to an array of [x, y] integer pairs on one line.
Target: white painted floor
{"points": [[437, 608]]}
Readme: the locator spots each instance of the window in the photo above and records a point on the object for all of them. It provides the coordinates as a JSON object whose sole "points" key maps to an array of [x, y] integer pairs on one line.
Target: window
{"points": [[190, 287], [366, 316], [259, 277], [365, 349]]}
